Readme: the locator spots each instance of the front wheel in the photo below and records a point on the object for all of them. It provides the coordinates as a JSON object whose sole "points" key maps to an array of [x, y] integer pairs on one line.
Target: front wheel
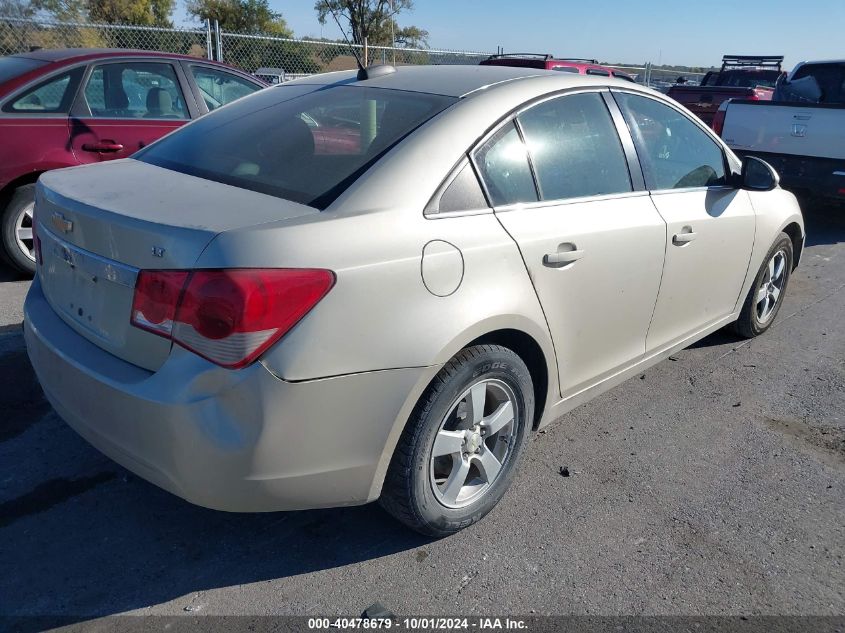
{"points": [[16, 229], [768, 290], [459, 451]]}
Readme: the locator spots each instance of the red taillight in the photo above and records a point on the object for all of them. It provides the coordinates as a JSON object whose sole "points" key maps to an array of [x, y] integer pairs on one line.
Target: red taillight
{"points": [[719, 119], [230, 317], [36, 242], [157, 294]]}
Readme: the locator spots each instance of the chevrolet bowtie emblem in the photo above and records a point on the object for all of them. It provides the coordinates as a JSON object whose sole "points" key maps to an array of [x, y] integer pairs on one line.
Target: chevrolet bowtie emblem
{"points": [[61, 223]]}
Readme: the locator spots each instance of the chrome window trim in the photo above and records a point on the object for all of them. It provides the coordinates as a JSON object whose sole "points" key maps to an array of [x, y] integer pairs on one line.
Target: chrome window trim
{"points": [[86, 261], [663, 192], [458, 214], [526, 206]]}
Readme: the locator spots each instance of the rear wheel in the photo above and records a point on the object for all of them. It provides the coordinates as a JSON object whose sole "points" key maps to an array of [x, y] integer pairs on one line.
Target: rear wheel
{"points": [[16, 229], [459, 451], [766, 294]]}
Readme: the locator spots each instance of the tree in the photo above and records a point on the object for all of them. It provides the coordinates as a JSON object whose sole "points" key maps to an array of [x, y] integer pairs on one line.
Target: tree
{"points": [[140, 12], [63, 10], [17, 9], [372, 19], [241, 16]]}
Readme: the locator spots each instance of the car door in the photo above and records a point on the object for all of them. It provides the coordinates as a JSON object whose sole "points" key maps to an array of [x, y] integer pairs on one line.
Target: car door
{"points": [[591, 239], [215, 87], [126, 105], [710, 224], [35, 124]]}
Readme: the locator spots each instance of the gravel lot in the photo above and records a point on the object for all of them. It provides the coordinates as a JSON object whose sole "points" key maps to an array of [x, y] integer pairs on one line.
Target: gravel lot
{"points": [[712, 484]]}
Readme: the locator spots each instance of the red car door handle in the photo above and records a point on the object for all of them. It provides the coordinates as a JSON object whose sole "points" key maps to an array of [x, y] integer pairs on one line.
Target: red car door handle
{"points": [[103, 147]]}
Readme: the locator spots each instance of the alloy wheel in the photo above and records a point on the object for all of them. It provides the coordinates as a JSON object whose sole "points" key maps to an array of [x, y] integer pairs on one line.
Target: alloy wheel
{"points": [[23, 231], [474, 443], [771, 287]]}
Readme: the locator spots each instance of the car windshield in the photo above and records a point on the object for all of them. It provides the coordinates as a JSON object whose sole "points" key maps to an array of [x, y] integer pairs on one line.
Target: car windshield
{"points": [[298, 142], [11, 67]]}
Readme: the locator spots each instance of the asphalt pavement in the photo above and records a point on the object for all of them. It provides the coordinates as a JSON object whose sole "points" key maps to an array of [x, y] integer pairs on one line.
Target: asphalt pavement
{"points": [[711, 484]]}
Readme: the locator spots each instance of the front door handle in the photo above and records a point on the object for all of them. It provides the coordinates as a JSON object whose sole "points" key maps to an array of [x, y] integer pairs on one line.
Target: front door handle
{"points": [[684, 237], [565, 255], [103, 147]]}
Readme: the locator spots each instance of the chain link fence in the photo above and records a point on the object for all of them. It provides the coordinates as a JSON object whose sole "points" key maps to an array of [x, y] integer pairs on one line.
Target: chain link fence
{"points": [[249, 52], [289, 58], [301, 57], [20, 35]]}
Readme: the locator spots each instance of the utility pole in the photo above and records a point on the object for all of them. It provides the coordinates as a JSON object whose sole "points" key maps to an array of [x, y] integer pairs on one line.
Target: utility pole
{"points": [[392, 34]]}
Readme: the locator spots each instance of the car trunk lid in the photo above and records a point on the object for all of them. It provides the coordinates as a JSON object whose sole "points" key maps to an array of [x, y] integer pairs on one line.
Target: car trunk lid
{"points": [[100, 225]]}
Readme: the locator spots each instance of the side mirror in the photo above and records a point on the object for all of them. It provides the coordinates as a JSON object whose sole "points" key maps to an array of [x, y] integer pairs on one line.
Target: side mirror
{"points": [[758, 175]]}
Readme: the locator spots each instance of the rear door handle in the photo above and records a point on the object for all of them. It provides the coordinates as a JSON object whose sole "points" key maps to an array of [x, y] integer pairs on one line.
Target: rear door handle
{"points": [[562, 258], [679, 239], [103, 147]]}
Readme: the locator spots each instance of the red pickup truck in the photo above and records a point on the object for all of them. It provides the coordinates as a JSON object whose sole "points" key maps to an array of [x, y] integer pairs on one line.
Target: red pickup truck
{"points": [[741, 77]]}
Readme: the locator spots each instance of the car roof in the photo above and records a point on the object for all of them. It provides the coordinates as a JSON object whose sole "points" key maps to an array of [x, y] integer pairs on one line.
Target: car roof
{"points": [[454, 80]]}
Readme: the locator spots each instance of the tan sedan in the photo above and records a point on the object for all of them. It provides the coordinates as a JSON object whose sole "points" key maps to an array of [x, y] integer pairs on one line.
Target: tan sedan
{"points": [[344, 289]]}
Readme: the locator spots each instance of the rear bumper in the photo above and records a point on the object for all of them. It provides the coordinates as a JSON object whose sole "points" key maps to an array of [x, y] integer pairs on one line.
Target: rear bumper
{"points": [[229, 440], [824, 177]]}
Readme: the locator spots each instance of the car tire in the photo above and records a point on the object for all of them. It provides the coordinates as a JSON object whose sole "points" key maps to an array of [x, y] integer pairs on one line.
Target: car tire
{"points": [[417, 488], [13, 252], [758, 312]]}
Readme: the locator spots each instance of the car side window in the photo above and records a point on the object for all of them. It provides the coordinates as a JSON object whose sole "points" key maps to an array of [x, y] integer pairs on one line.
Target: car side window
{"points": [[218, 87], [574, 148], [53, 96], [135, 90], [503, 163], [674, 152]]}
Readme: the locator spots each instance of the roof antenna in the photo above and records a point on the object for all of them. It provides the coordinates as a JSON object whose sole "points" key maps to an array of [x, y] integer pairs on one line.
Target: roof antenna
{"points": [[372, 72], [362, 72]]}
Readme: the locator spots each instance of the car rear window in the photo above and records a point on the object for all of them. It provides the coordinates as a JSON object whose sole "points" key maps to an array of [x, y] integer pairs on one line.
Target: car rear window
{"points": [[749, 78], [297, 142], [830, 79], [11, 67]]}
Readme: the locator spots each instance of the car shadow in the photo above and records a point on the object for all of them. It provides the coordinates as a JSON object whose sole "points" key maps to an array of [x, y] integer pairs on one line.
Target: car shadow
{"points": [[725, 336], [107, 542], [86, 538], [7, 273], [824, 223]]}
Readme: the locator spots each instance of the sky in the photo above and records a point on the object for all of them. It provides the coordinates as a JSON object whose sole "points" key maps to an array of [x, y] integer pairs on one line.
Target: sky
{"points": [[679, 32]]}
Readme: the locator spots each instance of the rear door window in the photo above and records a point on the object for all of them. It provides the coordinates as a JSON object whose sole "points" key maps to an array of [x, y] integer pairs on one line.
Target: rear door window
{"points": [[296, 142], [503, 163], [219, 87], [135, 90], [574, 148], [53, 96]]}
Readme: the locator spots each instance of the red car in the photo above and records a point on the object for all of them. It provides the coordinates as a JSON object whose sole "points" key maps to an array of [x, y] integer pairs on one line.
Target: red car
{"points": [[549, 62], [60, 108]]}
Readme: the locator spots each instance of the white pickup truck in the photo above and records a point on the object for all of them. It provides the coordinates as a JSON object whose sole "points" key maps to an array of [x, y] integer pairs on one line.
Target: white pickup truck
{"points": [[801, 132]]}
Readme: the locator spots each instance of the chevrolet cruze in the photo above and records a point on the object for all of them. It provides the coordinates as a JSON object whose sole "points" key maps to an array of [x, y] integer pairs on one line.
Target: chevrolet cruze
{"points": [[255, 319]]}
